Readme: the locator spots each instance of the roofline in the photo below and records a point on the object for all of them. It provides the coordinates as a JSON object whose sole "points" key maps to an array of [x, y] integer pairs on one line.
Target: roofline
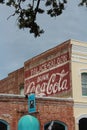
{"points": [[48, 50]]}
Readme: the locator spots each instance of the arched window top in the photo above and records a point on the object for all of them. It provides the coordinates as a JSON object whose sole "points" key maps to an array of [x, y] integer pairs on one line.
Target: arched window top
{"points": [[3, 121], [81, 117], [55, 125], [84, 74], [84, 83], [83, 124], [4, 125]]}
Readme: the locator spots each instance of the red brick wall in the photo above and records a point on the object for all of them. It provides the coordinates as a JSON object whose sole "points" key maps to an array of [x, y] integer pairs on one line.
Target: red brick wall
{"points": [[55, 109], [13, 82], [12, 108], [9, 107]]}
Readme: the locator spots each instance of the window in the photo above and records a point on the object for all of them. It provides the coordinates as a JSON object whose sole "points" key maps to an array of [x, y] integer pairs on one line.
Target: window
{"points": [[84, 83], [83, 124], [55, 125], [3, 125], [22, 89]]}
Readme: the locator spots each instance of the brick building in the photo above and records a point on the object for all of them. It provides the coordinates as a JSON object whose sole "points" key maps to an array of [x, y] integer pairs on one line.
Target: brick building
{"points": [[58, 77], [13, 107]]}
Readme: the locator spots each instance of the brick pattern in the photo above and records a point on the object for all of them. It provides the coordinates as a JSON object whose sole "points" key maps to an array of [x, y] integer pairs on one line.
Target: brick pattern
{"points": [[9, 107], [13, 108], [55, 110], [13, 82]]}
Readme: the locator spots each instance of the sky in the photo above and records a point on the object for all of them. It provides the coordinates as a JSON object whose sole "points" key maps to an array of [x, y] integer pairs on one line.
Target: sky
{"points": [[18, 46]]}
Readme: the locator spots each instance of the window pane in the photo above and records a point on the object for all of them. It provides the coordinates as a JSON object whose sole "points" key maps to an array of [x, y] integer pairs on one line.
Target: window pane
{"points": [[84, 83], [54, 125], [3, 126], [21, 89]]}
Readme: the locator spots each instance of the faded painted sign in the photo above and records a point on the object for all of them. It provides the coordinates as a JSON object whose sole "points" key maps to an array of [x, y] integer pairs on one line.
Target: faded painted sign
{"points": [[51, 77]]}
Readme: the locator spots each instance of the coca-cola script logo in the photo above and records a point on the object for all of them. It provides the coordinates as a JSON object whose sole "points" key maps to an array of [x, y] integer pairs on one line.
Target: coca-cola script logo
{"points": [[52, 82]]}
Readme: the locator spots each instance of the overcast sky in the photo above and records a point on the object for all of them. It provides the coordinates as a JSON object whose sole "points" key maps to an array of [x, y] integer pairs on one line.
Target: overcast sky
{"points": [[17, 46]]}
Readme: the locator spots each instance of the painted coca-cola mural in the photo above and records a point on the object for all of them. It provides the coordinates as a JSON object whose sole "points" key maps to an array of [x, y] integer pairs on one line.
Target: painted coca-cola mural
{"points": [[50, 78]]}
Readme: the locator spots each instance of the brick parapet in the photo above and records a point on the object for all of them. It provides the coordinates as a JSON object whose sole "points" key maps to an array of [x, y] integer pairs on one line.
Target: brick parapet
{"points": [[12, 83]]}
